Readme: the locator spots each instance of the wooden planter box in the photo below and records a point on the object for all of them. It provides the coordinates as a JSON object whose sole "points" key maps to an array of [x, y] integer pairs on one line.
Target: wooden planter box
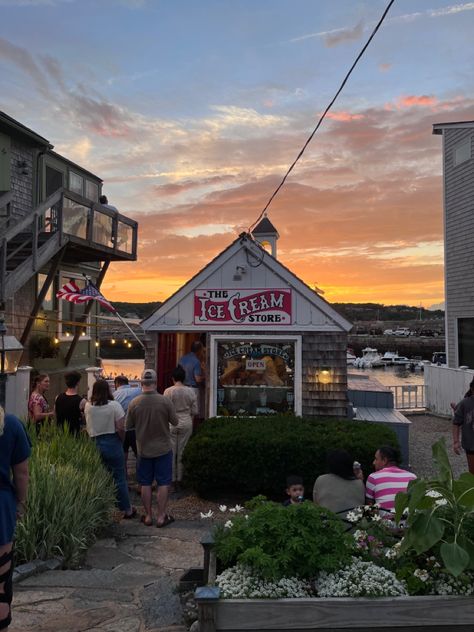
{"points": [[387, 614]]}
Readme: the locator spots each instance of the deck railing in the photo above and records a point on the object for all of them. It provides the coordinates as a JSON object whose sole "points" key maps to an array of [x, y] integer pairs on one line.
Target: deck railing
{"points": [[409, 396]]}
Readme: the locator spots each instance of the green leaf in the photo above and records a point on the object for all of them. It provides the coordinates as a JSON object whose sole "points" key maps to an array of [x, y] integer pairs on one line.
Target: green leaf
{"points": [[401, 503], [455, 558], [467, 545], [440, 455], [427, 530], [416, 492], [463, 490]]}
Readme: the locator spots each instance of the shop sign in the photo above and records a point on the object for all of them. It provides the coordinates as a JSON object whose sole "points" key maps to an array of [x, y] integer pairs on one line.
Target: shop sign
{"points": [[255, 365], [253, 350], [244, 307]]}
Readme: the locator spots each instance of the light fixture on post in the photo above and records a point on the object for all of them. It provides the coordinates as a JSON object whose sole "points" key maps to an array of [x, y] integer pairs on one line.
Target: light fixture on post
{"points": [[10, 355], [324, 375]]}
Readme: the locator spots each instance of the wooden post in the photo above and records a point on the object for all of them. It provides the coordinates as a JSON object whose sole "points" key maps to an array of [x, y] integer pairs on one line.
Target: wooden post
{"points": [[206, 598], [207, 543], [40, 298]]}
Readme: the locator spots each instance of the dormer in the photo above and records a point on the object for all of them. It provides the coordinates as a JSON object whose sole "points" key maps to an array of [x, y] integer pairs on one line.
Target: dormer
{"points": [[267, 235]]}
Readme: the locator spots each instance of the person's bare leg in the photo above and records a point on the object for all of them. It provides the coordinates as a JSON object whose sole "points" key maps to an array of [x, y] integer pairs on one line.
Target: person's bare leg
{"points": [[162, 502], [146, 500], [4, 607]]}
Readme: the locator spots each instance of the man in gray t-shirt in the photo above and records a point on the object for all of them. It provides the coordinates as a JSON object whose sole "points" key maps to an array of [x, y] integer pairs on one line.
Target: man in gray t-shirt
{"points": [[151, 415], [464, 420]]}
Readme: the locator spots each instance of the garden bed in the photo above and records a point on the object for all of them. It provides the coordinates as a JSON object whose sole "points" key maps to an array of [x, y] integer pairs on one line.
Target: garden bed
{"points": [[390, 614]]}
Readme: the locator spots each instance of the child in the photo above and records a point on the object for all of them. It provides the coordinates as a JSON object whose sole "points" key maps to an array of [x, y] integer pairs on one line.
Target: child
{"points": [[295, 490]]}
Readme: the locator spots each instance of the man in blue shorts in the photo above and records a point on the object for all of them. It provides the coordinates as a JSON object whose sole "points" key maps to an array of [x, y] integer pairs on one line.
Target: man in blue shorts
{"points": [[151, 415]]}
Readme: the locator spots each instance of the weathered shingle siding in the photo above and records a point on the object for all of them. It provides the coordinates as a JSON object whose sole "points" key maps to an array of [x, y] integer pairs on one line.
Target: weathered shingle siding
{"points": [[459, 231], [22, 183]]}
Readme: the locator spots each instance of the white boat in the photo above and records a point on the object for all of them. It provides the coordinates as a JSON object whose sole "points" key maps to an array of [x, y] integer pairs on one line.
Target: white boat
{"points": [[401, 361], [351, 358], [370, 359], [389, 357]]}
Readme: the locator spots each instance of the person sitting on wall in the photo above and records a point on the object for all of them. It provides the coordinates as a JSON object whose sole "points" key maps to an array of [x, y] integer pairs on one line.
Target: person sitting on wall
{"points": [[340, 490], [294, 491], [388, 479]]}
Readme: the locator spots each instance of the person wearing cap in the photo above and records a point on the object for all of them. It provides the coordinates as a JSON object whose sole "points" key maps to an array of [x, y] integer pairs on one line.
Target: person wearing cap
{"points": [[463, 423], [151, 414]]}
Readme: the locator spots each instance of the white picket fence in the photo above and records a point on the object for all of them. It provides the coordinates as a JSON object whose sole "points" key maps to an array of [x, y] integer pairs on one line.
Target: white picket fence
{"points": [[408, 396], [443, 386]]}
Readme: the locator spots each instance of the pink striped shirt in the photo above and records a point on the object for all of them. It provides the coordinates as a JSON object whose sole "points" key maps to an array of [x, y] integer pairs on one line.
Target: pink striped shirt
{"points": [[384, 485]]}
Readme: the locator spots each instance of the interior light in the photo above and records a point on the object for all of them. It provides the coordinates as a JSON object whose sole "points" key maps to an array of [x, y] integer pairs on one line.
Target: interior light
{"points": [[112, 342], [96, 343], [56, 340]]}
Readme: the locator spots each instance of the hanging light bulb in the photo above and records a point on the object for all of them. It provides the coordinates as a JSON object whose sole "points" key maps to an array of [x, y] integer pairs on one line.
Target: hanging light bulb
{"points": [[125, 341], [56, 340], [97, 343], [83, 333], [113, 341], [129, 345], [67, 334]]}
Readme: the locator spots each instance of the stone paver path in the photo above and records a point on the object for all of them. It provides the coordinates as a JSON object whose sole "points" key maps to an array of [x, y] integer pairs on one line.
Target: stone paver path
{"points": [[128, 584]]}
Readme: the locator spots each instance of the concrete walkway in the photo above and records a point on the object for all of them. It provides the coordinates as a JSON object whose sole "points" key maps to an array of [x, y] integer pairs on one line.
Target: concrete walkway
{"points": [[128, 584]]}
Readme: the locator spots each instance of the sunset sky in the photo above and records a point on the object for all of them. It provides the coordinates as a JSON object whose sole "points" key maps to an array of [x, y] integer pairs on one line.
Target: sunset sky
{"points": [[192, 110]]}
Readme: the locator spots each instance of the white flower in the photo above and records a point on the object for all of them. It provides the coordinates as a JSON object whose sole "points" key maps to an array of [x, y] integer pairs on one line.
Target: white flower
{"points": [[376, 518], [209, 514], [354, 516], [422, 574], [222, 508], [359, 579], [432, 493], [228, 524], [239, 583], [246, 516], [440, 502], [238, 508], [391, 553]]}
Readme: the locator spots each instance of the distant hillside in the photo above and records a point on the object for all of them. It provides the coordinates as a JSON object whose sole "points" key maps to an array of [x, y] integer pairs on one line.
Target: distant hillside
{"points": [[139, 310], [378, 312], [354, 312]]}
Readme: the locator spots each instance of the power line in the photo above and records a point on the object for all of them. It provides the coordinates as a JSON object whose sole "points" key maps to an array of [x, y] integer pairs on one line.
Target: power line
{"points": [[323, 116]]}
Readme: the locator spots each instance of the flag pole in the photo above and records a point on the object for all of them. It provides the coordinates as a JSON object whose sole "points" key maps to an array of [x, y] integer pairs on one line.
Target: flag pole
{"points": [[89, 280], [131, 331]]}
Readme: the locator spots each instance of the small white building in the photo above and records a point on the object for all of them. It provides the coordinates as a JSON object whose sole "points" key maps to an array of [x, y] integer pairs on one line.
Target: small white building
{"points": [[273, 345]]}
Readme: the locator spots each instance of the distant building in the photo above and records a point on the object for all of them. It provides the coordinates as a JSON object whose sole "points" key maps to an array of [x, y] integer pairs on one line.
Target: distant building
{"points": [[53, 230], [458, 180]]}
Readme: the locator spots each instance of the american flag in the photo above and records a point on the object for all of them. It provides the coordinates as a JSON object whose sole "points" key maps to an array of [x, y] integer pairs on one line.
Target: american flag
{"points": [[73, 293]]}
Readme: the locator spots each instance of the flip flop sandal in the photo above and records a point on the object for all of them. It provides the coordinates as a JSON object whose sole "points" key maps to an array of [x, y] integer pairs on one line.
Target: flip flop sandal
{"points": [[144, 521], [168, 520]]}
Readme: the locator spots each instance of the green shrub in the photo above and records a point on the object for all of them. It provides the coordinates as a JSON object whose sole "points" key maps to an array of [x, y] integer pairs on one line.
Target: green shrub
{"points": [[70, 497], [276, 541], [254, 456]]}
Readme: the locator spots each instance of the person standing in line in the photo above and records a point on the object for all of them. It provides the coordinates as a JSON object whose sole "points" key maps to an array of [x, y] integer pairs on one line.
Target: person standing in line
{"points": [[151, 414], [14, 453], [38, 407], [194, 375], [69, 406], [463, 423], [184, 401], [388, 479], [105, 424], [124, 393]]}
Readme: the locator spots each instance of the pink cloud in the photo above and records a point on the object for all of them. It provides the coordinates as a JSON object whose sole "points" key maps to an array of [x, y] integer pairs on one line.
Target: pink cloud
{"points": [[412, 100], [344, 116]]}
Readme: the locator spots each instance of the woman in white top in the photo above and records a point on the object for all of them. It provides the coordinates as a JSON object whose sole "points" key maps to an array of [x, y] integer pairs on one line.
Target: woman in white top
{"points": [[105, 424], [184, 401]]}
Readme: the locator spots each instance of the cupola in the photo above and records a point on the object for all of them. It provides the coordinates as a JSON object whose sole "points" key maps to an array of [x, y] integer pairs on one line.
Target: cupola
{"points": [[267, 235]]}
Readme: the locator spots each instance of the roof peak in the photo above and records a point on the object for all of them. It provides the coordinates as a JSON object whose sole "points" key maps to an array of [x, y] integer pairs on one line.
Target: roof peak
{"points": [[264, 227]]}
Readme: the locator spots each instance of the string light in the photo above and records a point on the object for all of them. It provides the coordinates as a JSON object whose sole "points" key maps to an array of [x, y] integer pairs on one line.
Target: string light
{"points": [[97, 343], [129, 345], [112, 342], [56, 340], [125, 341]]}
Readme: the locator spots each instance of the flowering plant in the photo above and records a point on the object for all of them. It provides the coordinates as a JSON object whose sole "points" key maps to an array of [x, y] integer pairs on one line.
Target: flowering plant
{"points": [[359, 579], [440, 515], [238, 582], [376, 536]]}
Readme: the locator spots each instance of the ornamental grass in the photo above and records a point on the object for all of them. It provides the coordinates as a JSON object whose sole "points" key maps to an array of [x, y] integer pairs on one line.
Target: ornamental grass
{"points": [[71, 496]]}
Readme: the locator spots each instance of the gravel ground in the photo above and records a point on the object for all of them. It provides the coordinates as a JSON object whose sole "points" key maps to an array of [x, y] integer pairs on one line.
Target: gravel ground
{"points": [[424, 431]]}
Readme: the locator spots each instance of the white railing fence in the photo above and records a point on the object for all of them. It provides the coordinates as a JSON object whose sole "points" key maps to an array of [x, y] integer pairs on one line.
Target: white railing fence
{"points": [[443, 386], [408, 396]]}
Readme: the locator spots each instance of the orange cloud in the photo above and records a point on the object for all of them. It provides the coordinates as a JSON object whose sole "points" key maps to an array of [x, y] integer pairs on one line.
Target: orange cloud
{"points": [[344, 116], [413, 100]]}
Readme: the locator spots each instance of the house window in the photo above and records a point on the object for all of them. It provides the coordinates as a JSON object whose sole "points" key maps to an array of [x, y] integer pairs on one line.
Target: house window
{"points": [[92, 191], [76, 183], [70, 313], [255, 376], [54, 180], [462, 152], [48, 301], [466, 342]]}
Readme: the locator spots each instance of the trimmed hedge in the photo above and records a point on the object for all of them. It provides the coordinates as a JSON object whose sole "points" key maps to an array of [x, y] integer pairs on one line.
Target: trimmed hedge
{"points": [[254, 456]]}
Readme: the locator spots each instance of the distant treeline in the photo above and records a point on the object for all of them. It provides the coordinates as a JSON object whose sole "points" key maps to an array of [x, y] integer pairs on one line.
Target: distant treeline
{"points": [[352, 311], [376, 311]]}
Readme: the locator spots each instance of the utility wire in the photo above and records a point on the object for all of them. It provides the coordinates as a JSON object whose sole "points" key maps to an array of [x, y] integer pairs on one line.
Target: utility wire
{"points": [[379, 24]]}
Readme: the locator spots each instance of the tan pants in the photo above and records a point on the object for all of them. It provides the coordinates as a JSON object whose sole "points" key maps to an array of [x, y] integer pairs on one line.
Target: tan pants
{"points": [[180, 435]]}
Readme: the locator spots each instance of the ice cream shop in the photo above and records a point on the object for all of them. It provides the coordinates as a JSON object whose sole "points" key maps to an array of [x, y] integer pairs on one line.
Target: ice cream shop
{"points": [[269, 343]]}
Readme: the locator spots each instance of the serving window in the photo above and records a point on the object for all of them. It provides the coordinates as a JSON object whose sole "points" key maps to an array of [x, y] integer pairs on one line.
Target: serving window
{"points": [[256, 376]]}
